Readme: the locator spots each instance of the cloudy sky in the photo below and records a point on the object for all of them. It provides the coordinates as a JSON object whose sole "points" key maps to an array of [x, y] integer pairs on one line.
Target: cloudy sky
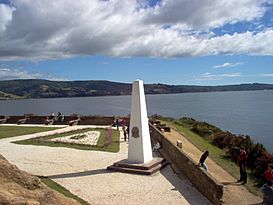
{"points": [[200, 42]]}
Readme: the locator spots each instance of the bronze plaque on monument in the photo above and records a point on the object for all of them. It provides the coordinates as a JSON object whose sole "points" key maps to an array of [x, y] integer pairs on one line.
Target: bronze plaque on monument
{"points": [[135, 132]]}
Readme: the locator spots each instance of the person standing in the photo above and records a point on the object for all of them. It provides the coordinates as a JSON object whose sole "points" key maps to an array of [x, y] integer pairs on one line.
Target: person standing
{"points": [[202, 160], [268, 174], [117, 123], [127, 131], [242, 157], [122, 122], [124, 132], [62, 117]]}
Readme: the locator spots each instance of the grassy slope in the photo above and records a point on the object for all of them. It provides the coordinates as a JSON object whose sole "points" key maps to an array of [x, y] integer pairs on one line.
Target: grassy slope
{"points": [[53, 185], [216, 154]]}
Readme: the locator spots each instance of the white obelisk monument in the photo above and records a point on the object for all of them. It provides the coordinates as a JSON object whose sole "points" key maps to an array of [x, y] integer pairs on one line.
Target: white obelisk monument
{"points": [[140, 158], [140, 150]]}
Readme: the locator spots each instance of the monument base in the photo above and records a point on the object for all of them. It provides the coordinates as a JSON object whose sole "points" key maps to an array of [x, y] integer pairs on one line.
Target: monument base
{"points": [[147, 168]]}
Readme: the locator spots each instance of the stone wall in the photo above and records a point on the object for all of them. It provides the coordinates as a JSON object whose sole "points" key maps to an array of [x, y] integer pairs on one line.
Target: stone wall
{"points": [[96, 120], [204, 182], [37, 119], [14, 119]]}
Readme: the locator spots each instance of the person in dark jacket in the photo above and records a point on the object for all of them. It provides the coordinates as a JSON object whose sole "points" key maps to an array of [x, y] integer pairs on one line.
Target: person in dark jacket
{"points": [[124, 129], [267, 190], [117, 123], [242, 157], [202, 160]]}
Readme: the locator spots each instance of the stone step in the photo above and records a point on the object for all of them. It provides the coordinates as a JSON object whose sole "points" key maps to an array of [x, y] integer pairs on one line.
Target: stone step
{"points": [[139, 169], [144, 166]]}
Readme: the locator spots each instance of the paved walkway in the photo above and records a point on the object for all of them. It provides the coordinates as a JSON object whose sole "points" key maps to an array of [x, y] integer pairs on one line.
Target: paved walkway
{"points": [[84, 173]]}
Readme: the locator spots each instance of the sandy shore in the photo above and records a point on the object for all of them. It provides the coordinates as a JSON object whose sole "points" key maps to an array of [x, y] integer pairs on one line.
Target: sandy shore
{"points": [[84, 173]]}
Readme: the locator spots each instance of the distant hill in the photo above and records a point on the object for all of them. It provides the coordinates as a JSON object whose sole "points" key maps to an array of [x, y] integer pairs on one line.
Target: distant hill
{"points": [[35, 88], [5, 96]]}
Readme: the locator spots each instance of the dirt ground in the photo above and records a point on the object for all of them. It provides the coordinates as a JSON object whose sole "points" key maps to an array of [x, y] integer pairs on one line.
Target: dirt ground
{"points": [[234, 193], [18, 187]]}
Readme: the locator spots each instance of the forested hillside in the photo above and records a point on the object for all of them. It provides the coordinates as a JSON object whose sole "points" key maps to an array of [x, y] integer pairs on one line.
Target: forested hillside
{"points": [[35, 88]]}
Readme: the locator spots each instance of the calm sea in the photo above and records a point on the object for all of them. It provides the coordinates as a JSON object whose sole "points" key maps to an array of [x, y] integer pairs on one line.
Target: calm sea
{"points": [[241, 112]]}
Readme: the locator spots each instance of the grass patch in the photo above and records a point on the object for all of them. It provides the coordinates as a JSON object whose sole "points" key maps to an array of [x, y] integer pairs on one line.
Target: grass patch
{"points": [[101, 145], [57, 187], [216, 154], [13, 131]]}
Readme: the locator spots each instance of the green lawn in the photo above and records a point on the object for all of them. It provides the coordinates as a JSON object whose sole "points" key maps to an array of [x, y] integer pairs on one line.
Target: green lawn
{"points": [[101, 146], [12, 131], [216, 154], [53, 185]]}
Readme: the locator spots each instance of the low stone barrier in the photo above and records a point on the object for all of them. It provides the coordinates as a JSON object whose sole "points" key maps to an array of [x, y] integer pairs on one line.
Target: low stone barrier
{"points": [[34, 119], [3, 119], [22, 121], [67, 120], [202, 180], [96, 120], [14, 119], [74, 122]]}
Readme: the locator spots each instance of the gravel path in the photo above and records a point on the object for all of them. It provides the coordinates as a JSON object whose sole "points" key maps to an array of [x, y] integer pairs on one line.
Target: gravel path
{"points": [[84, 173]]}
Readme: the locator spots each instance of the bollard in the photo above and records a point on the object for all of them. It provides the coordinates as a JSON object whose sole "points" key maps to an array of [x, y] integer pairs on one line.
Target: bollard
{"points": [[179, 143]]}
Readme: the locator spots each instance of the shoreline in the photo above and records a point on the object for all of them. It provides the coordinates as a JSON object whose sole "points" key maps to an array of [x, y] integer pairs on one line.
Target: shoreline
{"points": [[129, 94]]}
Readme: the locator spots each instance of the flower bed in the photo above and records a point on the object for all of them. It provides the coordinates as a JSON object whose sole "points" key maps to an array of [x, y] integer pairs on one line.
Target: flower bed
{"points": [[86, 138]]}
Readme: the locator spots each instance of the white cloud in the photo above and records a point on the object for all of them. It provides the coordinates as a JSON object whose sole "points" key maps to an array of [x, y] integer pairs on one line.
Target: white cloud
{"points": [[266, 74], [42, 29], [206, 13], [209, 76], [228, 65], [5, 17], [9, 74], [4, 70]]}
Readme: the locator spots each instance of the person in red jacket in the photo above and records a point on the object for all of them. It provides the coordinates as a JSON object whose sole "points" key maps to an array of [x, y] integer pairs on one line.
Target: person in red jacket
{"points": [[268, 174], [242, 157]]}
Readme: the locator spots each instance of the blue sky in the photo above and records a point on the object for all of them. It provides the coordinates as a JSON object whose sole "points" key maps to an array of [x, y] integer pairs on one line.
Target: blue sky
{"points": [[192, 42]]}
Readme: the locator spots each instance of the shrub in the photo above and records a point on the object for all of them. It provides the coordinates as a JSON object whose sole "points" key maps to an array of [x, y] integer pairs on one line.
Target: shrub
{"points": [[262, 162], [254, 153], [223, 140]]}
